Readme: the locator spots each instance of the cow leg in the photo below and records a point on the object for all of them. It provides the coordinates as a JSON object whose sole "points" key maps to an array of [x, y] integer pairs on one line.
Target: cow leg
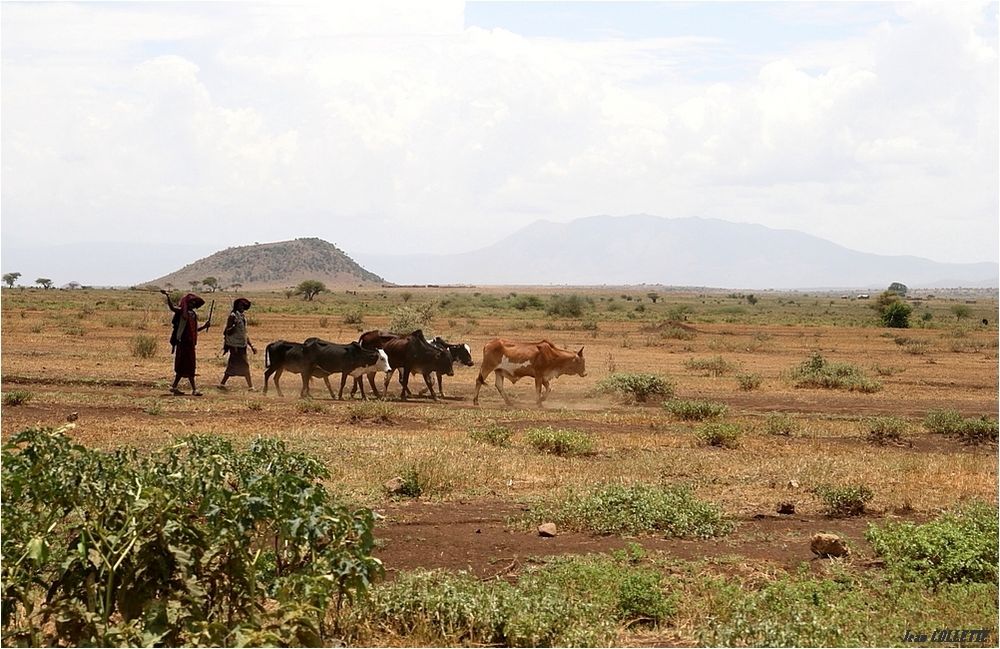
{"points": [[343, 382], [267, 374], [440, 389], [545, 384], [430, 385], [305, 385], [539, 381], [277, 386], [404, 379], [326, 379], [499, 384], [371, 382]]}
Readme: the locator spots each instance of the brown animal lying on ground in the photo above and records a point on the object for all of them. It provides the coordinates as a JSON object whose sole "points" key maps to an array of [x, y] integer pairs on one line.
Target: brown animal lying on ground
{"points": [[541, 360]]}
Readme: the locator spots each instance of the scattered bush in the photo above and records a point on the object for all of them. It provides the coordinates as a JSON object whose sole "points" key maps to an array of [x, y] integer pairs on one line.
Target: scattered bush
{"points": [[637, 509], [958, 546], [560, 442], [779, 423], [566, 306], [308, 406], [355, 317], [844, 501], [974, 430], [695, 410], [748, 382], [884, 430], [256, 405], [142, 346], [493, 434], [192, 545], [405, 319], [718, 434], [714, 366], [16, 397], [636, 387], [155, 408], [817, 372]]}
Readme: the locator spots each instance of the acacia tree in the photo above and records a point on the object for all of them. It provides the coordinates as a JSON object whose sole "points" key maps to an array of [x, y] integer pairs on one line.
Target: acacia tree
{"points": [[44, 282], [898, 288], [961, 311], [310, 288], [212, 283], [10, 279]]}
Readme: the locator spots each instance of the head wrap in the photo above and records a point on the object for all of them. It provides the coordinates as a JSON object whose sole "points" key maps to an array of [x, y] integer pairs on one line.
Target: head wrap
{"points": [[241, 302]]}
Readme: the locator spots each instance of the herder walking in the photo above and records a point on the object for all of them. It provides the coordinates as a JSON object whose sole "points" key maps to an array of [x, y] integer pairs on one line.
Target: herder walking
{"points": [[235, 343], [184, 338]]}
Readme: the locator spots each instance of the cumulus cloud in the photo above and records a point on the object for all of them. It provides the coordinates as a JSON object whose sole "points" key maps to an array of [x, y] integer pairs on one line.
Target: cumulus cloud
{"points": [[228, 123]]}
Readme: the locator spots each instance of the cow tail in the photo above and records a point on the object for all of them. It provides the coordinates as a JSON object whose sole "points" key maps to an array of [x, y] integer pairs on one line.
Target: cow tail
{"points": [[267, 357]]}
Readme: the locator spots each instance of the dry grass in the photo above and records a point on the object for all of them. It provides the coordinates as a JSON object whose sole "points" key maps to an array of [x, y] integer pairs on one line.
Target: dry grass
{"points": [[96, 376]]}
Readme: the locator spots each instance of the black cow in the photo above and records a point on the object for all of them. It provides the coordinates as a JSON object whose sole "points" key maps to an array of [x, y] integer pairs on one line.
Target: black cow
{"points": [[460, 353], [409, 353], [318, 358]]}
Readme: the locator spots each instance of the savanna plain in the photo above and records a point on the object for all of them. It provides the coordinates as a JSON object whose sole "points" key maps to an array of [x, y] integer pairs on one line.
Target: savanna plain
{"points": [[702, 413]]}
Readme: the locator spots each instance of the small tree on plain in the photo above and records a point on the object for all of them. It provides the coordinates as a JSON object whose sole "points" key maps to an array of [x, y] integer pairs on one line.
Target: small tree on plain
{"points": [[898, 288], [309, 289], [653, 296], [194, 284], [212, 283], [44, 282], [961, 311], [10, 279]]}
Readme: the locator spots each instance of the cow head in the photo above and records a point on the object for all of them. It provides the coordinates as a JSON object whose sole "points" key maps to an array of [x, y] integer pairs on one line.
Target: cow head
{"points": [[383, 362], [443, 362], [464, 355], [578, 366]]}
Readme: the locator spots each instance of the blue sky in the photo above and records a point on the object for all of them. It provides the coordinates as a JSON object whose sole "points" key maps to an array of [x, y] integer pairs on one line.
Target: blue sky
{"points": [[452, 124]]}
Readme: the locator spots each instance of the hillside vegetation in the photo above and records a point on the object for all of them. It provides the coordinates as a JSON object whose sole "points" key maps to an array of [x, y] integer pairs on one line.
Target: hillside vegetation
{"points": [[275, 265]]}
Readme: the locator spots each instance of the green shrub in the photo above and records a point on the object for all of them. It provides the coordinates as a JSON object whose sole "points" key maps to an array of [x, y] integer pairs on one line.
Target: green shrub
{"points": [[308, 406], [748, 381], [714, 366], [355, 317], [695, 410], [637, 509], [844, 501], [524, 302], [493, 434], [569, 601], [817, 372], [16, 397], [979, 430], [635, 387], [958, 546], [719, 434], [944, 422], [405, 319], [566, 306], [896, 314], [560, 442], [194, 544], [142, 346], [884, 430], [779, 423]]}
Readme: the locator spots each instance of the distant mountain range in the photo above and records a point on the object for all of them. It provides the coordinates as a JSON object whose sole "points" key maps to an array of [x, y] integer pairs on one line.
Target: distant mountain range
{"points": [[274, 266], [644, 249]]}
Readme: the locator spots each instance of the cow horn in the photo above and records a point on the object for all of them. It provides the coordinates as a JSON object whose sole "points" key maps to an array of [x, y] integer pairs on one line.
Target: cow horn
{"points": [[580, 353]]}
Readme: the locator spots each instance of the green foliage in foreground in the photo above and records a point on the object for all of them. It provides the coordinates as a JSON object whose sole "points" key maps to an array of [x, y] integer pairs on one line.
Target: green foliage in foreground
{"points": [[719, 434], [843, 611], [817, 372], [846, 500], [958, 546], [636, 387], [195, 544], [639, 509], [16, 397], [492, 434], [572, 601]]}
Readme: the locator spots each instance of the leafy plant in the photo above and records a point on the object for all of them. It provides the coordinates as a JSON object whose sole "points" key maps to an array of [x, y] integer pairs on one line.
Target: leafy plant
{"points": [[376, 412], [405, 319], [844, 501], [944, 422], [194, 544], [493, 434], [719, 434], [16, 397], [973, 430], [566, 306], [638, 509], [308, 406], [958, 546], [695, 410], [885, 430], [817, 372], [560, 442], [636, 387]]}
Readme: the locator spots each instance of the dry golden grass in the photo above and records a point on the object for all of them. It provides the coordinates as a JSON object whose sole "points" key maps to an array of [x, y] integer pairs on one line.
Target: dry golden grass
{"points": [[70, 350]]}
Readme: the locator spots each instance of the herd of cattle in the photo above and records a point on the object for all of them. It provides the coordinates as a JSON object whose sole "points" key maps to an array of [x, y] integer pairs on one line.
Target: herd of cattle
{"points": [[378, 351]]}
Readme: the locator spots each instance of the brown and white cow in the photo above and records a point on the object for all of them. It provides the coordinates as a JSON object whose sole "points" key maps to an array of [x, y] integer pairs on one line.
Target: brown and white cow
{"points": [[541, 360]]}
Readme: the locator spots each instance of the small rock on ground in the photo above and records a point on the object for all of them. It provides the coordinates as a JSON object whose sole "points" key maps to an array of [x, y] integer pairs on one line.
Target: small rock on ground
{"points": [[829, 545], [547, 530]]}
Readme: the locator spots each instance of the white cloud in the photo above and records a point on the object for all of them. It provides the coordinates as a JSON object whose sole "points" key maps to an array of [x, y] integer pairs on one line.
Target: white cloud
{"points": [[232, 123]]}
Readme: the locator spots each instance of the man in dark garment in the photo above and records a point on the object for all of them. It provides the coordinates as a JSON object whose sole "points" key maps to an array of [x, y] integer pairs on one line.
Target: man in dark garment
{"points": [[235, 343], [184, 338]]}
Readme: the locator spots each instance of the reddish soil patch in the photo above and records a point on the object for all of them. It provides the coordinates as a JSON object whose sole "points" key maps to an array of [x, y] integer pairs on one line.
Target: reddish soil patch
{"points": [[477, 536]]}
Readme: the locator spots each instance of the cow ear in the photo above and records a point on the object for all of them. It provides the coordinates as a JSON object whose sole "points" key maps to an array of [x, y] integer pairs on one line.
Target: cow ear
{"points": [[580, 353]]}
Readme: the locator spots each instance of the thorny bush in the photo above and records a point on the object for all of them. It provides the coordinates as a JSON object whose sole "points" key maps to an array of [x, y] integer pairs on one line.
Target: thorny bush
{"points": [[194, 544]]}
